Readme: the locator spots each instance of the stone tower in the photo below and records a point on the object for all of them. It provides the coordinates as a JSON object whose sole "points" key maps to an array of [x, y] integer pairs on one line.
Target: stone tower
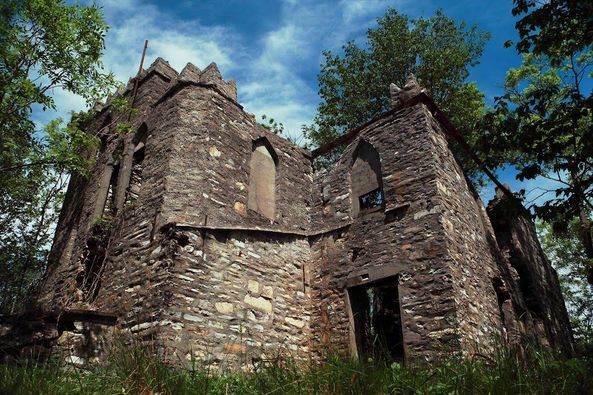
{"points": [[205, 235]]}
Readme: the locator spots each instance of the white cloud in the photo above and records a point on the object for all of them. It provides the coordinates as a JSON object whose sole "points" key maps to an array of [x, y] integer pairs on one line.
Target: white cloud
{"points": [[353, 10], [178, 42], [274, 72], [278, 81]]}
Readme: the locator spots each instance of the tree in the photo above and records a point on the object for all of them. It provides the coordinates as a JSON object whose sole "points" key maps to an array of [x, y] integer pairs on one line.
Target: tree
{"points": [[544, 121], [543, 126], [44, 44], [565, 252], [560, 27], [272, 125], [354, 85]]}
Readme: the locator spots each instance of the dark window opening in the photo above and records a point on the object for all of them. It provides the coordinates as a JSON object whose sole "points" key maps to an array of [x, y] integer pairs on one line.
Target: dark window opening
{"points": [[134, 183], [89, 280], [528, 289], [371, 201], [367, 183], [109, 206], [377, 320], [396, 213], [136, 176]]}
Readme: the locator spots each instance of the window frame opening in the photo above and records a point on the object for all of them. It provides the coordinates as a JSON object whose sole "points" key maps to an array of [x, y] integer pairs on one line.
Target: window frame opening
{"points": [[366, 180], [371, 201]]}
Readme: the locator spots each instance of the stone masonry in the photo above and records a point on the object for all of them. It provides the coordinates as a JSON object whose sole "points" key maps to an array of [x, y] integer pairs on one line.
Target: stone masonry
{"points": [[207, 236]]}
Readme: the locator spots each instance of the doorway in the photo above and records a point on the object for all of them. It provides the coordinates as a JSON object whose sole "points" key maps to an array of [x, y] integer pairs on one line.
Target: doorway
{"points": [[377, 320]]}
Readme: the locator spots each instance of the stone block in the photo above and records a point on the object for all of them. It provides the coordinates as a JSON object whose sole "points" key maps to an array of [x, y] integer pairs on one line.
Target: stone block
{"points": [[295, 322], [235, 348], [253, 287], [267, 292], [224, 307], [259, 303], [240, 208], [214, 152]]}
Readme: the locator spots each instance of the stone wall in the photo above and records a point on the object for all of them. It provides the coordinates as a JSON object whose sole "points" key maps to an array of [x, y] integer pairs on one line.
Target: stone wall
{"points": [[209, 177], [238, 298], [83, 204], [189, 264], [406, 240], [472, 250], [527, 276]]}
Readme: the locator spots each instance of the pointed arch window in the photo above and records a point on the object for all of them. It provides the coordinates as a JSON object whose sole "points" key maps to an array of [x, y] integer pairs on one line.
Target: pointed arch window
{"points": [[262, 179], [367, 182], [138, 142]]}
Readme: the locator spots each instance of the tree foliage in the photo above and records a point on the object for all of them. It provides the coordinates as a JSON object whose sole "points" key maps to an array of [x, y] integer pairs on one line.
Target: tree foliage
{"points": [[272, 125], [566, 253], [44, 45], [562, 27], [544, 121], [354, 84]]}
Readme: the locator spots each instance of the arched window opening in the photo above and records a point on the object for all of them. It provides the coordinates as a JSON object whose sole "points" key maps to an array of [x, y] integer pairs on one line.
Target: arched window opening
{"points": [[104, 141], [139, 142], [262, 179], [109, 203], [367, 184]]}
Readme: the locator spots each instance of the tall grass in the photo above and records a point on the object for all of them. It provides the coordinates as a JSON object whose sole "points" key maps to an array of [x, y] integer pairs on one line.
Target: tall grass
{"points": [[135, 371]]}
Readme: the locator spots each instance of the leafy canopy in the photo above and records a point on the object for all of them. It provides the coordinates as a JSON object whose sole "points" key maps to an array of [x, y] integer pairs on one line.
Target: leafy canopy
{"points": [[44, 45], [544, 121], [354, 85], [565, 251], [543, 128], [562, 27]]}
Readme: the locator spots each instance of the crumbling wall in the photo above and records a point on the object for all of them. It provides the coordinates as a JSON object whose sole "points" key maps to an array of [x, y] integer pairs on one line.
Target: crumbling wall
{"points": [[124, 236], [192, 266], [187, 173], [75, 337], [235, 287], [529, 277], [208, 182]]}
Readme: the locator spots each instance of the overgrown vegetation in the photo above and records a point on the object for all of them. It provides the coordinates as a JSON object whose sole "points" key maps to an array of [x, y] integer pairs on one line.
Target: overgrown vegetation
{"points": [[543, 122], [135, 371], [565, 251], [44, 45]]}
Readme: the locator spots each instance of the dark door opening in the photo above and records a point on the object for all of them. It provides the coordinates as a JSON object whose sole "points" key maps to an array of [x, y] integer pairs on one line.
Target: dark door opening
{"points": [[377, 320]]}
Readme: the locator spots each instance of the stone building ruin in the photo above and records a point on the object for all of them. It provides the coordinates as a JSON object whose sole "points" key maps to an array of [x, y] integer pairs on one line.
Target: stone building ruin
{"points": [[207, 236]]}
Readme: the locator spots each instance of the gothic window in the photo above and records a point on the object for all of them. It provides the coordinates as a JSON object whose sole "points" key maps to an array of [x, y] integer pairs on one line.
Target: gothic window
{"points": [[139, 142], [367, 186], [109, 205], [262, 179]]}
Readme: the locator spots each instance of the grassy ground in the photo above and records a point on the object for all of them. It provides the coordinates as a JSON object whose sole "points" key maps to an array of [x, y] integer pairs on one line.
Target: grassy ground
{"points": [[133, 371]]}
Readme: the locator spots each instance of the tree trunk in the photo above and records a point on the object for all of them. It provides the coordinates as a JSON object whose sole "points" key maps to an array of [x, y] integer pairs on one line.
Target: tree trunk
{"points": [[587, 240]]}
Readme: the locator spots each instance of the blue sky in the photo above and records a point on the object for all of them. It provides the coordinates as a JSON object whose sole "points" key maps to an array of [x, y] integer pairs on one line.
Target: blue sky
{"points": [[273, 48]]}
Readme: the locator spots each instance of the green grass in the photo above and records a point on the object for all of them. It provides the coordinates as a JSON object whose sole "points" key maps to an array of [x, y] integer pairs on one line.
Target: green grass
{"points": [[134, 371]]}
